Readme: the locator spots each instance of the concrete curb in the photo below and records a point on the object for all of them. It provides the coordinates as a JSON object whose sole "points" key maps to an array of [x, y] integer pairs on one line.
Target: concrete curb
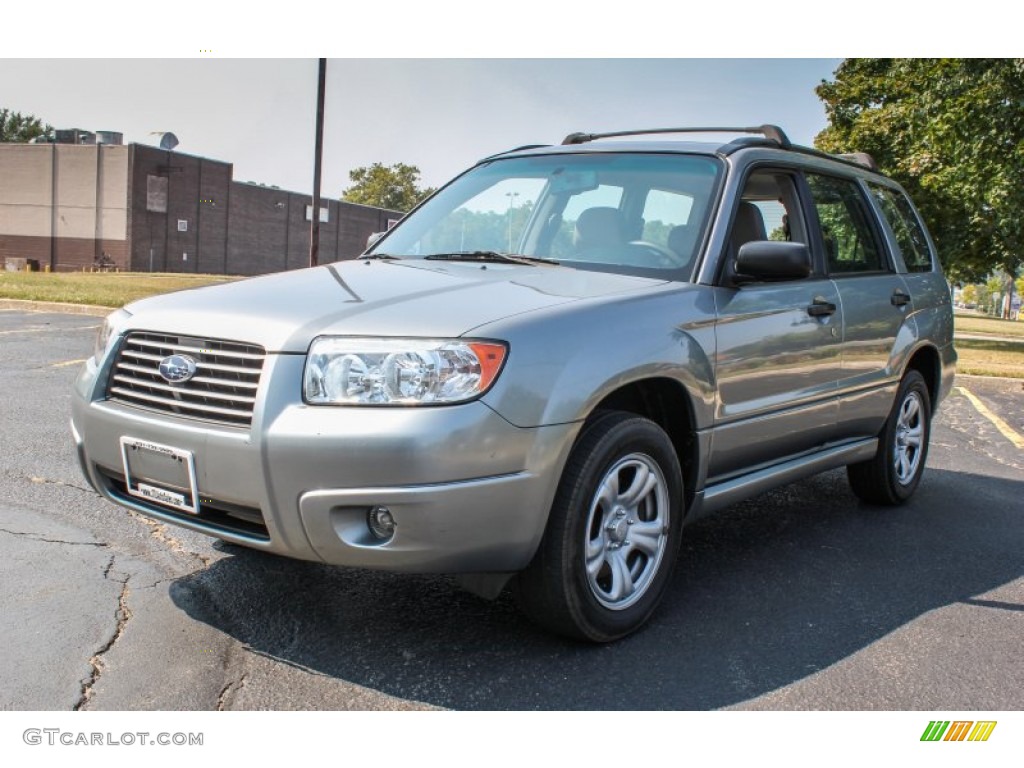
{"points": [[55, 306]]}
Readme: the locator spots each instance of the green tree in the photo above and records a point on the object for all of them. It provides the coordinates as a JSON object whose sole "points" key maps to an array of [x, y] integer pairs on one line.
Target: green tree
{"points": [[983, 294], [19, 129], [952, 132], [994, 287], [480, 230], [386, 186], [969, 295]]}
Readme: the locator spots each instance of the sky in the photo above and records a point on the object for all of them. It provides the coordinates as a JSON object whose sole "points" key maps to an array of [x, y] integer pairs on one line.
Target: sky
{"points": [[441, 84], [441, 115]]}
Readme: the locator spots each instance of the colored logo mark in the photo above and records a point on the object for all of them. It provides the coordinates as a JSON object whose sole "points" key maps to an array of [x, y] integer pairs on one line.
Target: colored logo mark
{"points": [[958, 730]]}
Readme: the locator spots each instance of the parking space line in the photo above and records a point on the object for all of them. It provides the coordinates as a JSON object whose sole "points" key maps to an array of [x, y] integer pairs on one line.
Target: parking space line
{"points": [[43, 328], [1007, 431], [68, 362], [30, 329]]}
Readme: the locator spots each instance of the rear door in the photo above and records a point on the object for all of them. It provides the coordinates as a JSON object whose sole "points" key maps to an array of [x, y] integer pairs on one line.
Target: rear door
{"points": [[919, 269], [875, 302]]}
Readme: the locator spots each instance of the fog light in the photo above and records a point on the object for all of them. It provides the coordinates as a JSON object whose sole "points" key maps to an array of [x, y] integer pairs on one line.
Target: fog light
{"points": [[381, 523]]}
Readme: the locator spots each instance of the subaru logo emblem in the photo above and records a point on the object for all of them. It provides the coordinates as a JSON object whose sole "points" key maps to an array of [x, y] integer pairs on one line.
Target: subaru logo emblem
{"points": [[177, 369]]}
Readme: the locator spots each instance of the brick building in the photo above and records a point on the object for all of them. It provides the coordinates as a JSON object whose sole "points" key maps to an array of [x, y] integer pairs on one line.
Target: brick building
{"points": [[146, 209]]}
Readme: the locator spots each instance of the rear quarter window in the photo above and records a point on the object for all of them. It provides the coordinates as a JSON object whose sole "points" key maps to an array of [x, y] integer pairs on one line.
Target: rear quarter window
{"points": [[906, 228]]}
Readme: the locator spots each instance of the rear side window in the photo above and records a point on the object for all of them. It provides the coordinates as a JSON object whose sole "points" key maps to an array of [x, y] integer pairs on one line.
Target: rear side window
{"points": [[850, 243], [906, 228]]}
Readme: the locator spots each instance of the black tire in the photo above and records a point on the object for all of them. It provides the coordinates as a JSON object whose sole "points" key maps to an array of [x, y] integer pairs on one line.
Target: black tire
{"points": [[892, 476], [629, 538]]}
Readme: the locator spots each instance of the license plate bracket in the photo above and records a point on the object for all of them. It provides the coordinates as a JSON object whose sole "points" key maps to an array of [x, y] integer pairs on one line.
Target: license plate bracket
{"points": [[160, 474]]}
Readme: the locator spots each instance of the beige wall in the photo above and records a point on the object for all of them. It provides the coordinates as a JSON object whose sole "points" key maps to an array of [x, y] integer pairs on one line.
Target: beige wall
{"points": [[113, 193], [25, 171], [25, 179], [89, 189]]}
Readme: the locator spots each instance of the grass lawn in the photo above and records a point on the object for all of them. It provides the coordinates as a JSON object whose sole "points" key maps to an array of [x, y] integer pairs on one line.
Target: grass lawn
{"points": [[991, 358], [993, 326], [105, 289]]}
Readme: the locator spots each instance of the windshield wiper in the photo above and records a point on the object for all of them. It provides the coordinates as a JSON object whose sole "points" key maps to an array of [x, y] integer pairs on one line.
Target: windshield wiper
{"points": [[495, 256], [387, 256]]}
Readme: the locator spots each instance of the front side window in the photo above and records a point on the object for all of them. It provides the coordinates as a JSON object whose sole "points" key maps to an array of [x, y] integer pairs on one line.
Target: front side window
{"points": [[601, 211], [850, 243], [769, 210], [906, 228]]}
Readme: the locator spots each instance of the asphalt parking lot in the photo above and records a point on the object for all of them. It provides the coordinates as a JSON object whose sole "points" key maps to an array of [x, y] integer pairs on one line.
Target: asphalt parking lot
{"points": [[802, 598]]}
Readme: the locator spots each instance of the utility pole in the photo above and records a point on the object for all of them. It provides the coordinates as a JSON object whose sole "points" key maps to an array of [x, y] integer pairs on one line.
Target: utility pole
{"points": [[314, 227], [511, 202]]}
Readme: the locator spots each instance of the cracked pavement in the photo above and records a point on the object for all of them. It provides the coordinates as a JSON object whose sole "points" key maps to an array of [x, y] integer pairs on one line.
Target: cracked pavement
{"points": [[799, 599], [122, 615]]}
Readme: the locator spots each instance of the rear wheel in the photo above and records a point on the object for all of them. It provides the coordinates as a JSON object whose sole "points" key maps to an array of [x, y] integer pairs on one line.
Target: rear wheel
{"points": [[613, 533], [892, 476]]}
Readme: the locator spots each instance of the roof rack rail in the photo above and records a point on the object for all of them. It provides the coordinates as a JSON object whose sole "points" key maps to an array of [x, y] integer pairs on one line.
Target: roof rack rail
{"points": [[770, 132], [860, 158], [525, 146], [516, 149]]}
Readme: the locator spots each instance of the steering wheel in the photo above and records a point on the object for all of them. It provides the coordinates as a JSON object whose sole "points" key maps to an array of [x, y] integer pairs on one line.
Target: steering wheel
{"points": [[662, 256]]}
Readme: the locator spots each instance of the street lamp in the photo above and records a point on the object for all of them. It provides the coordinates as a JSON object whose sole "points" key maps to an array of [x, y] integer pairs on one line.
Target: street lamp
{"points": [[511, 202]]}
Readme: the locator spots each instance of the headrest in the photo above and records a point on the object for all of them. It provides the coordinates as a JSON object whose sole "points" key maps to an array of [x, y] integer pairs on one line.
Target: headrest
{"points": [[599, 226], [749, 225], [680, 240]]}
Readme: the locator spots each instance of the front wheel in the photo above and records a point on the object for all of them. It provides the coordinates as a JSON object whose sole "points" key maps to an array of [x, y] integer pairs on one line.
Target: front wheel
{"points": [[892, 476], [613, 533]]}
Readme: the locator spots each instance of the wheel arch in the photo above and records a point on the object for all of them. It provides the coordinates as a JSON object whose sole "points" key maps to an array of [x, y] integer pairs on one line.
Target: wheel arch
{"points": [[925, 360], [668, 404]]}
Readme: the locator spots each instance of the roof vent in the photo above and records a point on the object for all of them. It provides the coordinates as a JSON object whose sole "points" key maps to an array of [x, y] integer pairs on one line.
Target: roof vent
{"points": [[168, 140], [109, 137]]}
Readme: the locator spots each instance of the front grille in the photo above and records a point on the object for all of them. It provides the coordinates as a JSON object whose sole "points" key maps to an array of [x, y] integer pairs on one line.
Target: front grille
{"points": [[223, 389]]}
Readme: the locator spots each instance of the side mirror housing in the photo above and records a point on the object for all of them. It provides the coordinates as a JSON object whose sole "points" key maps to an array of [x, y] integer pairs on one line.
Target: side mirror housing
{"points": [[373, 238], [771, 260]]}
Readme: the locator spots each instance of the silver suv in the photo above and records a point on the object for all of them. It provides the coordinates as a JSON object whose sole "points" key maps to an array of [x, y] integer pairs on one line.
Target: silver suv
{"points": [[544, 372]]}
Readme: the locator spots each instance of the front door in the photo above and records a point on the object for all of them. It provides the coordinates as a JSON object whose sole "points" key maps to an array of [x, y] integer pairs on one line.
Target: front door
{"points": [[778, 355]]}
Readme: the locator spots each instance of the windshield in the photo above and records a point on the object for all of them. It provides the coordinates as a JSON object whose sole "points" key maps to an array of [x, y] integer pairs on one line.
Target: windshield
{"points": [[622, 212]]}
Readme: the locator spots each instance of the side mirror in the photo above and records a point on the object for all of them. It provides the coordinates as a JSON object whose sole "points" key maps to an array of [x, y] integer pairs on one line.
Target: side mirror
{"points": [[770, 260], [372, 239]]}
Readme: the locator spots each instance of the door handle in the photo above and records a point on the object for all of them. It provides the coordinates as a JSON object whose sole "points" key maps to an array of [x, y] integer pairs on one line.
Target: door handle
{"points": [[900, 298], [821, 308]]}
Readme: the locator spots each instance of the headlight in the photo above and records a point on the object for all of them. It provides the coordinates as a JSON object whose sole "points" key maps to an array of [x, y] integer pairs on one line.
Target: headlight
{"points": [[359, 371], [108, 331]]}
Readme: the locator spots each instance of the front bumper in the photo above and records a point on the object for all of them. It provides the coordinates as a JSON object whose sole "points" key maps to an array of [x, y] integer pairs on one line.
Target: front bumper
{"points": [[469, 491]]}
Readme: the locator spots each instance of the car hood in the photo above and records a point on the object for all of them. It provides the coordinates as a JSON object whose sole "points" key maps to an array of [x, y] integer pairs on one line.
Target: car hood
{"points": [[284, 312]]}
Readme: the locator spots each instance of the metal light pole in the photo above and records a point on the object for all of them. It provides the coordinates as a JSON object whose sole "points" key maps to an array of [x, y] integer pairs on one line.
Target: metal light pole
{"points": [[314, 227], [511, 201]]}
